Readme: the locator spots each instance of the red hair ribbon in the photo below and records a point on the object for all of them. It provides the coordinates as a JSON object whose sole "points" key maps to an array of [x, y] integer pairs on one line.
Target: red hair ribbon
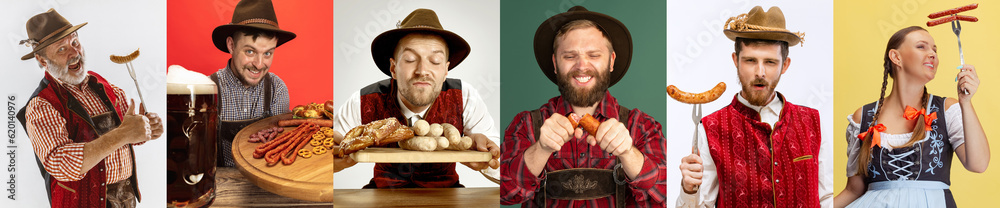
{"points": [[911, 113], [875, 131]]}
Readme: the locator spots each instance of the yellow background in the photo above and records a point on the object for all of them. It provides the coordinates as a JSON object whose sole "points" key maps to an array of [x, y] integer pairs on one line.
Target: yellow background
{"points": [[861, 30]]}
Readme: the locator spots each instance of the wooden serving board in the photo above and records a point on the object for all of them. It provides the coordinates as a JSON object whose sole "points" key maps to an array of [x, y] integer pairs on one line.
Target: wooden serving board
{"points": [[397, 155], [308, 179]]}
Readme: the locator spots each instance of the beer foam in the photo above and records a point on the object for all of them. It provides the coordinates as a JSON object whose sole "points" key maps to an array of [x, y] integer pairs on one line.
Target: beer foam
{"points": [[183, 81]]}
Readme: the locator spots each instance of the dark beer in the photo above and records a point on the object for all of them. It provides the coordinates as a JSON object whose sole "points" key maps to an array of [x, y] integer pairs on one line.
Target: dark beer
{"points": [[192, 119]]}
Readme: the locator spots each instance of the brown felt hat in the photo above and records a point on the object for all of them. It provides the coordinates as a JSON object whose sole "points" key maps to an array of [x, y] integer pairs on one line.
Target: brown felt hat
{"points": [[618, 35], [256, 14], [758, 24], [420, 20], [47, 28]]}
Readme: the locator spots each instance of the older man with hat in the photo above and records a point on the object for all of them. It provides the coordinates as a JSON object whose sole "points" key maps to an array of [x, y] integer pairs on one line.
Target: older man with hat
{"points": [[417, 57], [760, 150], [247, 90], [81, 127], [547, 162]]}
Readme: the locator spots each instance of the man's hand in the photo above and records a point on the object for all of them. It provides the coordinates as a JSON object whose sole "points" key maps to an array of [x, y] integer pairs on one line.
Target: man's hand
{"points": [[612, 136], [483, 144], [155, 123], [555, 132], [691, 169], [135, 128], [342, 163]]}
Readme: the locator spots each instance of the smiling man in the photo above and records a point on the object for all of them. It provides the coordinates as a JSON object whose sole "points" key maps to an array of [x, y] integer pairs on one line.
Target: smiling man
{"points": [[547, 162], [417, 57], [760, 150], [247, 91], [81, 127]]}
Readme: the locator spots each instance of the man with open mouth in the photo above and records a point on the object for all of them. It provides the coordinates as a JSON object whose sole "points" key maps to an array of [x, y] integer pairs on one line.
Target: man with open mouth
{"points": [[549, 162], [760, 150], [417, 56], [81, 127], [247, 91]]}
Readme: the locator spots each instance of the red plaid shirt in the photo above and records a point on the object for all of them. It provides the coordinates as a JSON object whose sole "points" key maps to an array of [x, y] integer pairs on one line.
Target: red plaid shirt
{"points": [[60, 156], [518, 185]]}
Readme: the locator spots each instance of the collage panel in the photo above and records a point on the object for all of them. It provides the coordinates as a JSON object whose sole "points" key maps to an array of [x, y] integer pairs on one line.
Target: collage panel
{"points": [[924, 53], [82, 110], [613, 53], [241, 72], [427, 66], [768, 131]]}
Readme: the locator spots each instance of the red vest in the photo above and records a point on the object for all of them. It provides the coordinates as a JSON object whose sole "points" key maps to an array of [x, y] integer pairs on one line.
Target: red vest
{"points": [[379, 101], [750, 173], [89, 191]]}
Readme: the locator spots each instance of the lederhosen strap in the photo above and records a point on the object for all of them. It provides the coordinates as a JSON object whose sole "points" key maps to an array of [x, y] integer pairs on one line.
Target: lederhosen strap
{"points": [[582, 183], [75, 106], [228, 129]]}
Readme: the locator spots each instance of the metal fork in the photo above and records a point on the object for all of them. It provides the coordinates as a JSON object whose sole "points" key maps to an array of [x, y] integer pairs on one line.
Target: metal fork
{"points": [[957, 28], [696, 117], [131, 72]]}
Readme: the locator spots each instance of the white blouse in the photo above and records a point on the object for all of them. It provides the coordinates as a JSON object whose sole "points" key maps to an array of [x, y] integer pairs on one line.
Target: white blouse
{"points": [[956, 134]]}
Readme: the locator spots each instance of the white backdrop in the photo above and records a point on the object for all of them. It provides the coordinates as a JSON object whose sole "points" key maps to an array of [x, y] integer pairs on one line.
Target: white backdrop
{"points": [[699, 57], [356, 23], [115, 27]]}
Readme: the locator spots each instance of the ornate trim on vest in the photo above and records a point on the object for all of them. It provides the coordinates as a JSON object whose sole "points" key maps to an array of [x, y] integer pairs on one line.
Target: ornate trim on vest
{"points": [[758, 165], [89, 191]]}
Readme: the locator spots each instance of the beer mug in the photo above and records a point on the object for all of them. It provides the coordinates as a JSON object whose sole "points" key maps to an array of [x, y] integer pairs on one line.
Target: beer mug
{"points": [[192, 119]]}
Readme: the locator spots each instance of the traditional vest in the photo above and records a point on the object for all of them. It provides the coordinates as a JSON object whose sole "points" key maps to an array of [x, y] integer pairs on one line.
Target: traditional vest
{"points": [[378, 101], [758, 166], [89, 191]]}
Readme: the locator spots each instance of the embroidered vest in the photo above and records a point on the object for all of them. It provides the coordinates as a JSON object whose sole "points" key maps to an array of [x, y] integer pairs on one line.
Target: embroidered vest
{"points": [[760, 166], [89, 191], [378, 101], [927, 160]]}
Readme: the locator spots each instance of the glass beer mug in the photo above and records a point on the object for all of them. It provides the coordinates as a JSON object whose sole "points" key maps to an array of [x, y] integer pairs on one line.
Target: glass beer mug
{"points": [[192, 119]]}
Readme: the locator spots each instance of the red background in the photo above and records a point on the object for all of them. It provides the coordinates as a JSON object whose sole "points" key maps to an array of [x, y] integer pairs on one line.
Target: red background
{"points": [[304, 63]]}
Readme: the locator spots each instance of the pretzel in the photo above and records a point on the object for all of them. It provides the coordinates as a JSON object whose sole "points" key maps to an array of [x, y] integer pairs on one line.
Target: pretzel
{"points": [[305, 153]]}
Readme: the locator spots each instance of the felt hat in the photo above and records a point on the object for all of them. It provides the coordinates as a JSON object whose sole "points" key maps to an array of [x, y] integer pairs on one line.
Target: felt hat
{"points": [[255, 14], [617, 33], [758, 24], [420, 20], [47, 28]]}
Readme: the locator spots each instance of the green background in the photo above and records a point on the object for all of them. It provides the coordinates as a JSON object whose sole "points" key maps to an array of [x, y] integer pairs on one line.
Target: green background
{"points": [[523, 85]]}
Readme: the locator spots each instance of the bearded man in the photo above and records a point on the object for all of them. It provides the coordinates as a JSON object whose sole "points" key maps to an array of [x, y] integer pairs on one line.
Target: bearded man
{"points": [[81, 127], [760, 150], [547, 162]]}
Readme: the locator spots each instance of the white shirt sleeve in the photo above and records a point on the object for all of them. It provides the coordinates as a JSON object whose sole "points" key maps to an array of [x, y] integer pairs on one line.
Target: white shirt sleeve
{"points": [[825, 173], [708, 192], [348, 115], [853, 145], [476, 118], [956, 127]]}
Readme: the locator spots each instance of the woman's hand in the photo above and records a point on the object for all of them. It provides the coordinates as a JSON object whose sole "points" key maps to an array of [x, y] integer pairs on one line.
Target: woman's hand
{"points": [[968, 81]]}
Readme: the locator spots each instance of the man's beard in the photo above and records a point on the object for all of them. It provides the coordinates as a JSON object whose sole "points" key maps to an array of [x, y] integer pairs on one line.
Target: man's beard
{"points": [[758, 98], [62, 72], [583, 97], [420, 97]]}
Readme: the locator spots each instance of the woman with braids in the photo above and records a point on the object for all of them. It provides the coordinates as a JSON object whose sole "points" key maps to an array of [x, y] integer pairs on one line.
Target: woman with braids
{"points": [[900, 147]]}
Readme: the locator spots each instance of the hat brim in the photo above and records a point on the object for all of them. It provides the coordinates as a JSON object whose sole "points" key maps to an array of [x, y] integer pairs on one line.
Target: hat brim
{"points": [[221, 32], [54, 39], [384, 45], [789, 37], [618, 34]]}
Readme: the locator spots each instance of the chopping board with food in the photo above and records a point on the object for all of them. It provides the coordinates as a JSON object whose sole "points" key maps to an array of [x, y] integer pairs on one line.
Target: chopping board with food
{"points": [[289, 154], [421, 143]]}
